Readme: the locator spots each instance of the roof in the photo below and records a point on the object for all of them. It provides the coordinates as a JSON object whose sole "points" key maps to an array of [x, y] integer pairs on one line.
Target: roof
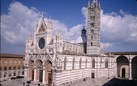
{"points": [[12, 55], [123, 53]]}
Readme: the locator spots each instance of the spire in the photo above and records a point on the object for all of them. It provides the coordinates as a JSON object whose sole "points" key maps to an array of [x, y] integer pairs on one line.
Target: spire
{"points": [[95, 0], [95, 3], [36, 25], [42, 14], [88, 3]]}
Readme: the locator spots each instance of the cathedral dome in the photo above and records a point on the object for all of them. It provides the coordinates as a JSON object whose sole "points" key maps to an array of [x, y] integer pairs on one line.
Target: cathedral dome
{"points": [[81, 39]]}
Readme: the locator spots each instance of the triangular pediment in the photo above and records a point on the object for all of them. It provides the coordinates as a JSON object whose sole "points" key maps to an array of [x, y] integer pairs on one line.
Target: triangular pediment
{"points": [[41, 29], [42, 26]]}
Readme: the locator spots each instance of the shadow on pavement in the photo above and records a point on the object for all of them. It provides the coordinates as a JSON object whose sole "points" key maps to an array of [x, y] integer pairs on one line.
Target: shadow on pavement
{"points": [[120, 82]]}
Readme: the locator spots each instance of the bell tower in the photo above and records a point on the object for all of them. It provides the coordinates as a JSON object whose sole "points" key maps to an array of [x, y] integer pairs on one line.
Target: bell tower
{"points": [[93, 31]]}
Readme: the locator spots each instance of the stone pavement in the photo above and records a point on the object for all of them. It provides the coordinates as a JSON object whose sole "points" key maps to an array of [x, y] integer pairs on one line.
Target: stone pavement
{"points": [[87, 82], [83, 82], [16, 82]]}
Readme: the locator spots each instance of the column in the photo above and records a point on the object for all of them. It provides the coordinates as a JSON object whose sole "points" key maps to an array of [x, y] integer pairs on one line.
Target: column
{"points": [[115, 63], [35, 74], [130, 69], [44, 74]]}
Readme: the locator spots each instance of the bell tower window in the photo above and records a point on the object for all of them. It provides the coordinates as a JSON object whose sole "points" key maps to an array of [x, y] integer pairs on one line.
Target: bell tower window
{"points": [[91, 37], [92, 31], [92, 24], [92, 18]]}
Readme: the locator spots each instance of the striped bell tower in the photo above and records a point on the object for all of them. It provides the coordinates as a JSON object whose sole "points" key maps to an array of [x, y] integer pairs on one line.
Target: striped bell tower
{"points": [[93, 31]]}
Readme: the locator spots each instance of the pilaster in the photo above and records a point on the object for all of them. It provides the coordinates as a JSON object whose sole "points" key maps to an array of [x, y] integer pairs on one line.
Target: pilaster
{"points": [[44, 76], [130, 68], [35, 74]]}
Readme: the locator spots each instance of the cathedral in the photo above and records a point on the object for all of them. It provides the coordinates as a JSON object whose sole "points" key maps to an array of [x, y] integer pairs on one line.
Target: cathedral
{"points": [[51, 60]]}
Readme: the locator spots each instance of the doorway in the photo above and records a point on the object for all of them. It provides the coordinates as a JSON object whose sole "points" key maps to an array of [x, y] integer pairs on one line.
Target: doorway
{"points": [[92, 75], [49, 71], [123, 72]]}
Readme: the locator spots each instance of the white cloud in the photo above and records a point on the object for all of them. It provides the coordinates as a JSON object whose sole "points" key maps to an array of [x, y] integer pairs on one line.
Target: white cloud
{"points": [[68, 34], [84, 11], [106, 45], [116, 29], [20, 22]]}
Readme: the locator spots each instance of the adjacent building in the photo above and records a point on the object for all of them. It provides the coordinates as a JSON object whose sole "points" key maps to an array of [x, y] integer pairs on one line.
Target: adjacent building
{"points": [[11, 66]]}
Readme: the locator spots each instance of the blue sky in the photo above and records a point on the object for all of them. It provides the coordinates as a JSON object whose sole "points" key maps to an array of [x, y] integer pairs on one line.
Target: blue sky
{"points": [[118, 24]]}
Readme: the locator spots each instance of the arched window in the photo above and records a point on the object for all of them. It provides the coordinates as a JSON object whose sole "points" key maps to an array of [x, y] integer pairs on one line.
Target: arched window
{"points": [[92, 24], [65, 62], [41, 63], [106, 63], [80, 64], [10, 68], [22, 72], [14, 74], [86, 63], [93, 63], [5, 73], [5, 68], [73, 64], [14, 68]]}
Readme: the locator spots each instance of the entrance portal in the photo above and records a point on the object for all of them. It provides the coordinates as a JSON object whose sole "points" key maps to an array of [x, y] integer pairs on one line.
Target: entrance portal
{"points": [[134, 68], [33, 75], [49, 72], [123, 72]]}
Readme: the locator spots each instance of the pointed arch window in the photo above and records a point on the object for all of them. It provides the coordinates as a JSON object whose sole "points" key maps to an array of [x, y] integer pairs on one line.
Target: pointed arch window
{"points": [[65, 63], [106, 63], [86, 63], [73, 64], [93, 63], [92, 24], [80, 64], [92, 30], [92, 18]]}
